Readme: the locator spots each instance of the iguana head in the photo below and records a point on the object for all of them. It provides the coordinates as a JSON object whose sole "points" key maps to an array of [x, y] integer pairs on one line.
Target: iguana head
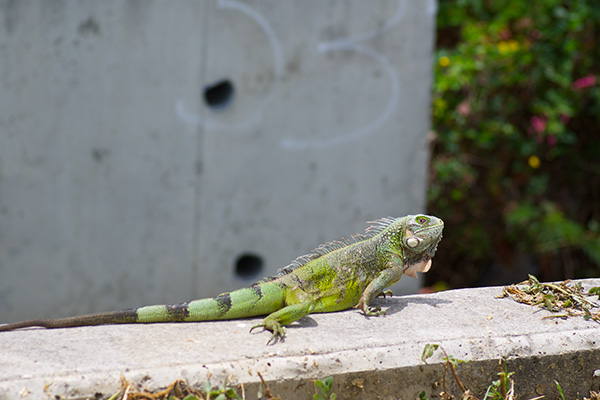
{"points": [[415, 239], [422, 236]]}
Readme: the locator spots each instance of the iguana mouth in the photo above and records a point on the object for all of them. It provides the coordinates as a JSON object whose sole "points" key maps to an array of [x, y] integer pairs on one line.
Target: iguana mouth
{"points": [[437, 243]]}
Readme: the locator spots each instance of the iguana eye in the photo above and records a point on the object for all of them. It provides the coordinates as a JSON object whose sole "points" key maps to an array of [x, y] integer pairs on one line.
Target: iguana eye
{"points": [[421, 220], [413, 242]]}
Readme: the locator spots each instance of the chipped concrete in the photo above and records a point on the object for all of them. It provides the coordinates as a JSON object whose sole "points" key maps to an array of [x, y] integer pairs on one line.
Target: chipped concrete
{"points": [[368, 357]]}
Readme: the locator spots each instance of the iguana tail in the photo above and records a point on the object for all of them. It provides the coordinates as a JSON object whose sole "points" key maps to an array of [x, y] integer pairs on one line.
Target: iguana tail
{"points": [[260, 299]]}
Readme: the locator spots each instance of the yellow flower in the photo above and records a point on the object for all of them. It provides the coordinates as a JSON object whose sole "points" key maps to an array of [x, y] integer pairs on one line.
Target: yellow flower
{"points": [[534, 162], [444, 61], [508, 46]]}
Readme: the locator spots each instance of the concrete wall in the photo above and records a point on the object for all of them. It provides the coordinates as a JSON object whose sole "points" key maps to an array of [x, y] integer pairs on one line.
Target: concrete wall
{"points": [[158, 151]]}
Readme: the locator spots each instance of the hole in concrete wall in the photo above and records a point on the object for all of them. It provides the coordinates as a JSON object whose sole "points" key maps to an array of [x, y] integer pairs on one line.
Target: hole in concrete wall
{"points": [[219, 95], [249, 266]]}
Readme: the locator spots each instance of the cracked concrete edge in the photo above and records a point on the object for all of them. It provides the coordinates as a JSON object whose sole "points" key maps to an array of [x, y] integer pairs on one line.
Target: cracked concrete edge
{"points": [[307, 368], [459, 323]]}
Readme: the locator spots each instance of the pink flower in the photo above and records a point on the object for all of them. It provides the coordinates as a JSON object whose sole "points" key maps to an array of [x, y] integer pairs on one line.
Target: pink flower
{"points": [[551, 140], [464, 108], [586, 81], [538, 123]]}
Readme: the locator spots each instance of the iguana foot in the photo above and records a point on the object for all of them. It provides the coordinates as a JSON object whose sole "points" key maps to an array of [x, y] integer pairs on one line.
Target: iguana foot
{"points": [[277, 329], [374, 311], [368, 310], [278, 334], [385, 293]]}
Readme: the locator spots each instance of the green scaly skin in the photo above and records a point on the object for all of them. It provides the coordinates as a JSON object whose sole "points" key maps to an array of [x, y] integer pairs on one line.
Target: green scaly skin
{"points": [[335, 276]]}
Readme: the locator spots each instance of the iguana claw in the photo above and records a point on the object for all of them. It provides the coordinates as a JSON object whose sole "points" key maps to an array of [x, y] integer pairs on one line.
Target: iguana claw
{"points": [[385, 293], [277, 329], [374, 311], [368, 310]]}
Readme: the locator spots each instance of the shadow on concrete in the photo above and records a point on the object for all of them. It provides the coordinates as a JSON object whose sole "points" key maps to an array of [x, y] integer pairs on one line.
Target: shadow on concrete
{"points": [[393, 305]]}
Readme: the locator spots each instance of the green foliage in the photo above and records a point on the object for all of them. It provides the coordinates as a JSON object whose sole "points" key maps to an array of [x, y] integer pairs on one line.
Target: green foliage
{"points": [[499, 389], [428, 351], [178, 390], [324, 389], [556, 297], [560, 391], [220, 392], [188, 397], [516, 110]]}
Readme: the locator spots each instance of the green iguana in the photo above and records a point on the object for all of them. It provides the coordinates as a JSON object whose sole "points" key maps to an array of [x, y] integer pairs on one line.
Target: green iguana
{"points": [[334, 277]]}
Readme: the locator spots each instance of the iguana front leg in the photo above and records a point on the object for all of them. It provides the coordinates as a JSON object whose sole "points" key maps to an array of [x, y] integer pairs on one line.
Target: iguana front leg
{"points": [[275, 322], [376, 288]]}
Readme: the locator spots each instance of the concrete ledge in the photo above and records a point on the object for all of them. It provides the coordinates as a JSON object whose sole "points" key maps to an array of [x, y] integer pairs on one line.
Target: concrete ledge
{"points": [[368, 357]]}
